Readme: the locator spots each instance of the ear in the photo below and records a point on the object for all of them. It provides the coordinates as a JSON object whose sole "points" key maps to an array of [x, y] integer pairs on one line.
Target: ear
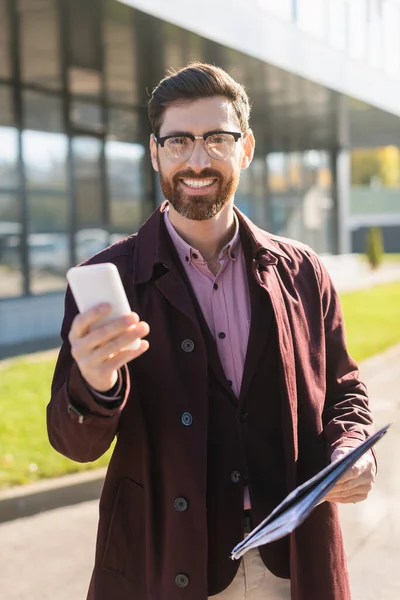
{"points": [[248, 150], [153, 152]]}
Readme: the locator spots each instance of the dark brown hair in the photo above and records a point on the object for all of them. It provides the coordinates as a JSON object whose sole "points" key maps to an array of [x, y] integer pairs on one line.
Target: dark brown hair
{"points": [[197, 80]]}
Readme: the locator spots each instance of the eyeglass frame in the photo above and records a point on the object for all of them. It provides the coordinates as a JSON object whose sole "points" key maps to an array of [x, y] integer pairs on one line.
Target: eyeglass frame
{"points": [[161, 140]]}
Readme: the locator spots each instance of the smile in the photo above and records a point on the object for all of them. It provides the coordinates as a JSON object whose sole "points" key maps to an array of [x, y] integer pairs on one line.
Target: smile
{"points": [[198, 183]]}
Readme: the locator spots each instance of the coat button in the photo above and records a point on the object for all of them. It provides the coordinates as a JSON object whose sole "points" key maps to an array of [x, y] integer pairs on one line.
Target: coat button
{"points": [[187, 419], [243, 416], [187, 345], [180, 504], [182, 580], [236, 476]]}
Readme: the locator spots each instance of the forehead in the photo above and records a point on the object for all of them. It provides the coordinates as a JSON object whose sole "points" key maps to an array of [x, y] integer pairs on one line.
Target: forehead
{"points": [[199, 116]]}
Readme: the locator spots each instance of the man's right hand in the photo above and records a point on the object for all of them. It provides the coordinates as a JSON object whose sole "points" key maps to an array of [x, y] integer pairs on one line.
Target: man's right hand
{"points": [[99, 353]]}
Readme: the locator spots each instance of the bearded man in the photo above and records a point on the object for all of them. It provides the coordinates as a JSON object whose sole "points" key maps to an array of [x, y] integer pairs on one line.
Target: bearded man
{"points": [[242, 389]]}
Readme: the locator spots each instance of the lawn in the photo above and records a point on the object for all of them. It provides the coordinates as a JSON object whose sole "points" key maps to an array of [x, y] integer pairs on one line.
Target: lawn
{"points": [[372, 320], [25, 453]]}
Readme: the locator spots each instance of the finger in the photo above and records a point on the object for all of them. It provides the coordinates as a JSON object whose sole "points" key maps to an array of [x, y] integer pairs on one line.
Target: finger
{"points": [[101, 335], [83, 321], [350, 499], [362, 489], [118, 344], [125, 356]]}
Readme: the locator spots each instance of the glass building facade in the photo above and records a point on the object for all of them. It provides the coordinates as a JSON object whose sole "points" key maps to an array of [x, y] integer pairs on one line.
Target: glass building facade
{"points": [[75, 174]]}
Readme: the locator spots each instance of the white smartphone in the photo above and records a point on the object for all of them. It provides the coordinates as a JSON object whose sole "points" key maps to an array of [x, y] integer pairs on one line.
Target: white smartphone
{"points": [[97, 284]]}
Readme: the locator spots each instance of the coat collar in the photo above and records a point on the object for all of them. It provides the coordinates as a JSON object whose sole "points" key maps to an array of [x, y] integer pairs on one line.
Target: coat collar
{"points": [[152, 248]]}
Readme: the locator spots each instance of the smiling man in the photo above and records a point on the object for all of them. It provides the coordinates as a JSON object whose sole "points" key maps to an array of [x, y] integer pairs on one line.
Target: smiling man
{"points": [[242, 389]]}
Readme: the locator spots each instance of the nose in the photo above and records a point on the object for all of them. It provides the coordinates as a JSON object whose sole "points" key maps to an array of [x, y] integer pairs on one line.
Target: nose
{"points": [[199, 159]]}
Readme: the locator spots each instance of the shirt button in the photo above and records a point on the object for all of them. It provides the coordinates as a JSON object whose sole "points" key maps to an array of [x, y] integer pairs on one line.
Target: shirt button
{"points": [[187, 345], [222, 335], [187, 419], [182, 580], [230, 382], [232, 255], [215, 286], [243, 416], [236, 476], [180, 504], [195, 256]]}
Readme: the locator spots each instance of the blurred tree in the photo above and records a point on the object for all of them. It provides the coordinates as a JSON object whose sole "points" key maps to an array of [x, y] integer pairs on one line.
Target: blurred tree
{"points": [[374, 247], [376, 163]]}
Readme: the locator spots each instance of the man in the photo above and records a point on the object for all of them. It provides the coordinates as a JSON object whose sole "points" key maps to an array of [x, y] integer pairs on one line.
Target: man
{"points": [[242, 390]]}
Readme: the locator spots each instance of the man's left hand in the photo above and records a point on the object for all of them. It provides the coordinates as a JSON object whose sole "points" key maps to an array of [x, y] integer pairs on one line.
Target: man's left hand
{"points": [[357, 482]]}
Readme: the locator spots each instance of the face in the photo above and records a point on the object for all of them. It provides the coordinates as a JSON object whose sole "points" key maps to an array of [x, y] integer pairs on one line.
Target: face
{"points": [[200, 187]]}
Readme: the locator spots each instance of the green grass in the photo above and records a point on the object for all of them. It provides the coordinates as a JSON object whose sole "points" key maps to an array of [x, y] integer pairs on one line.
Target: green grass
{"points": [[25, 453], [372, 320]]}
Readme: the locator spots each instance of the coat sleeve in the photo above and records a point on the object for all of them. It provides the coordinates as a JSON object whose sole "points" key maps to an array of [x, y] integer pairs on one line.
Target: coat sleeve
{"points": [[77, 425], [347, 416]]}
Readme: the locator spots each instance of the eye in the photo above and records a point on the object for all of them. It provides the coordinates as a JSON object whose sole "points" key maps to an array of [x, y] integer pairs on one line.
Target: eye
{"points": [[178, 141], [218, 138]]}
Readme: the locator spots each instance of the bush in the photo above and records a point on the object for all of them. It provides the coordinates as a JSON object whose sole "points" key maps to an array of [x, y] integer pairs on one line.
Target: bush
{"points": [[374, 247]]}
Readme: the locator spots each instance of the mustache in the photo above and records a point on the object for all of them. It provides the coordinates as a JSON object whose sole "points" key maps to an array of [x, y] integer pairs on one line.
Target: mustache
{"points": [[205, 174]]}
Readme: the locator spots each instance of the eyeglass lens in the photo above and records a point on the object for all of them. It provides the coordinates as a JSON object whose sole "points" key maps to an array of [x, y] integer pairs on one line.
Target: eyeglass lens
{"points": [[218, 146]]}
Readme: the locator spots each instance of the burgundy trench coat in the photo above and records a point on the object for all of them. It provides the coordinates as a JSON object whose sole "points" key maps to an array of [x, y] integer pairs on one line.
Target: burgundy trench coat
{"points": [[141, 542]]}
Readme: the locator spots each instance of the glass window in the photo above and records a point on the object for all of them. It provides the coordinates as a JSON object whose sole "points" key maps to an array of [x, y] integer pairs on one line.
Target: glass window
{"points": [[42, 112], [44, 145], [8, 141], [47, 241], [122, 125], [40, 53], [120, 53], [126, 185], [86, 116], [4, 40], [11, 281], [312, 17], [88, 189], [85, 83], [8, 157], [45, 159], [83, 28]]}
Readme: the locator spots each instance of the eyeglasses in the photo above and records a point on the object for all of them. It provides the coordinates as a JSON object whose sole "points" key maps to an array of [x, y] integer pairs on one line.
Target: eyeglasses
{"points": [[219, 145]]}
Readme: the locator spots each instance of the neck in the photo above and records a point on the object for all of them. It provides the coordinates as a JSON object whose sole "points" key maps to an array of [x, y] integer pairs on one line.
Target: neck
{"points": [[208, 237]]}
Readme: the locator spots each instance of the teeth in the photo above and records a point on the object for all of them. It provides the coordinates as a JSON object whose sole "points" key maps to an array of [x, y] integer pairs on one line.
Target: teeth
{"points": [[198, 183]]}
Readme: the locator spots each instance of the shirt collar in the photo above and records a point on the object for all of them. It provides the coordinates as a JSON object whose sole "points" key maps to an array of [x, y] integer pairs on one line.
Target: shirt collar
{"points": [[189, 254]]}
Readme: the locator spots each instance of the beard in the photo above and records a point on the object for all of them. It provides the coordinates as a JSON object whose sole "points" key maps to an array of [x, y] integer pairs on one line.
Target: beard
{"points": [[198, 208]]}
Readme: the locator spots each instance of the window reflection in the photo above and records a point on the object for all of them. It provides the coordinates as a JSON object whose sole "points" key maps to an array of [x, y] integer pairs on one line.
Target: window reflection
{"points": [[8, 157], [4, 40], [301, 197], [125, 172], [88, 181], [120, 53], [10, 246], [85, 115], [45, 156], [40, 55]]}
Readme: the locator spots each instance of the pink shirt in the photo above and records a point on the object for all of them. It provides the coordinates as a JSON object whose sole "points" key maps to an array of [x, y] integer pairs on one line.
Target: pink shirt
{"points": [[225, 302]]}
